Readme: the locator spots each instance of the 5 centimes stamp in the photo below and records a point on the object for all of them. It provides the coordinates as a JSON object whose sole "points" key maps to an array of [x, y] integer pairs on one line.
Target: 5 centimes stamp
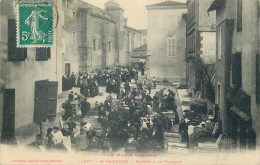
{"points": [[34, 24]]}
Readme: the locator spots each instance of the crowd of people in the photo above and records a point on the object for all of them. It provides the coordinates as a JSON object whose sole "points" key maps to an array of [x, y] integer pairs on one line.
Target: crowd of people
{"points": [[68, 81], [131, 123], [133, 120], [88, 85]]}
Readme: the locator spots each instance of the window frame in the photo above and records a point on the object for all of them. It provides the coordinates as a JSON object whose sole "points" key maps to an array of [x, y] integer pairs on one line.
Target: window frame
{"points": [[66, 3], [74, 37], [109, 45], [129, 41], [218, 93], [94, 43], [74, 15], [219, 53], [168, 47]]}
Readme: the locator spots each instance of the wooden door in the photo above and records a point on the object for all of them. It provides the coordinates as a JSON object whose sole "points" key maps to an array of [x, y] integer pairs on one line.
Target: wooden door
{"points": [[41, 101]]}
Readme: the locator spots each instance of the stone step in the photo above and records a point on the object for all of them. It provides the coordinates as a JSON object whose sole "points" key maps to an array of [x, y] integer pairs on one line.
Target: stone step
{"points": [[177, 150], [179, 145], [172, 134], [173, 140]]}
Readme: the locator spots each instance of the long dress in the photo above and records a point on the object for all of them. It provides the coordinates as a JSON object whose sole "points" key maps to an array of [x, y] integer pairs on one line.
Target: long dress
{"points": [[66, 139]]}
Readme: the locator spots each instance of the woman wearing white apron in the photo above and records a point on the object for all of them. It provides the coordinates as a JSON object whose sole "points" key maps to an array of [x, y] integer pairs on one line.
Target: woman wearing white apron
{"points": [[66, 137]]}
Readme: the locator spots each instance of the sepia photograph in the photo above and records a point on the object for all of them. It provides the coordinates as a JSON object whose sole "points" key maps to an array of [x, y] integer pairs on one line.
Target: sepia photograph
{"points": [[152, 82]]}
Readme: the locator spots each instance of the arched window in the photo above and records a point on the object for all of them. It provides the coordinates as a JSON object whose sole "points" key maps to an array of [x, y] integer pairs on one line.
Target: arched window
{"points": [[74, 36], [94, 44], [110, 45]]}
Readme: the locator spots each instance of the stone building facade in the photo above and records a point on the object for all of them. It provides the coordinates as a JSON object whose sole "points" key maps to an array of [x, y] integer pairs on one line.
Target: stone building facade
{"points": [[166, 40], [104, 38], [70, 37], [30, 78], [238, 71], [200, 41]]}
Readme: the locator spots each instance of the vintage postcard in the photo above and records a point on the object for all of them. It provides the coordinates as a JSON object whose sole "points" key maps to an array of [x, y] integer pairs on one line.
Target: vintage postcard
{"points": [[152, 82]]}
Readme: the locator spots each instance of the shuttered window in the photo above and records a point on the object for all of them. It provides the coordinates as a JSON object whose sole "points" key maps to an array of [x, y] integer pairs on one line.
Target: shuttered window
{"points": [[45, 100], [52, 98], [236, 69], [239, 15], [14, 53], [258, 78], [42, 54]]}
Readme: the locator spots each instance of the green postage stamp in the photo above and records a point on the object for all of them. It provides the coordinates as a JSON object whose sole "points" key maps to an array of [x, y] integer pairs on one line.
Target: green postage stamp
{"points": [[34, 24]]}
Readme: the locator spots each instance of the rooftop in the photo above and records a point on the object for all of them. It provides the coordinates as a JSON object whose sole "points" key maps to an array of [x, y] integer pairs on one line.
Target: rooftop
{"points": [[141, 48], [167, 3], [130, 28]]}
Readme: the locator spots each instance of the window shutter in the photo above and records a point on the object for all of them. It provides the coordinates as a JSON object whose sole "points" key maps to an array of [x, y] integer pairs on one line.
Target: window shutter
{"points": [[14, 53], [239, 15], [52, 98], [173, 47], [100, 43], [42, 54], [94, 44], [48, 52], [40, 103], [45, 100], [11, 39], [258, 78], [236, 69], [21, 53]]}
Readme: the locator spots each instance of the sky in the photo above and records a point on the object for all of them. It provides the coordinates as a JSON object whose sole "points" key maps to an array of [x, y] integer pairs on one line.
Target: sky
{"points": [[135, 10]]}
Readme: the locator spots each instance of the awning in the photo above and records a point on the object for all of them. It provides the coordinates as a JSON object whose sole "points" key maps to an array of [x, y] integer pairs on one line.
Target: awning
{"points": [[240, 99], [231, 93], [240, 113]]}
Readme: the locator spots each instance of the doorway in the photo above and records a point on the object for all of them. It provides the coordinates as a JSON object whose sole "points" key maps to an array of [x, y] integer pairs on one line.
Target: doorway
{"points": [[67, 69], [8, 131]]}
